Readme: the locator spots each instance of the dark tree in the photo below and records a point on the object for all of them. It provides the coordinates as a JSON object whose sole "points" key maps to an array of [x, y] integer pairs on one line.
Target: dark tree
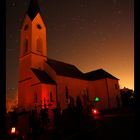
{"points": [[79, 105], [14, 118], [127, 98], [57, 117], [118, 101], [71, 104], [34, 124], [44, 117]]}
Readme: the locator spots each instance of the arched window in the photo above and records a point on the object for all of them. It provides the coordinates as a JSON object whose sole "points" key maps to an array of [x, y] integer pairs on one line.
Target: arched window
{"points": [[25, 46], [87, 94], [116, 86], [39, 45], [51, 97], [44, 100]]}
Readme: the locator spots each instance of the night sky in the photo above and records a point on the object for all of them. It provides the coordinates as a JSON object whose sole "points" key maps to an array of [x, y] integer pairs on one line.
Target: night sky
{"points": [[90, 34]]}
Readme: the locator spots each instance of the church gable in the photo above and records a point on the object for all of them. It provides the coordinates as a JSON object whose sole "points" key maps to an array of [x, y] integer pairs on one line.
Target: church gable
{"points": [[98, 74], [43, 76], [65, 69], [25, 25]]}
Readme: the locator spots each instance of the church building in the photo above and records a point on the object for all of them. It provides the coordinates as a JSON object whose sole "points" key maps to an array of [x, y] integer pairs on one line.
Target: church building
{"points": [[43, 80]]}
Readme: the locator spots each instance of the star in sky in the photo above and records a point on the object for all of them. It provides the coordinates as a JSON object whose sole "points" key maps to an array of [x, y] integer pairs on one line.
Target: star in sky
{"points": [[94, 32], [82, 5], [64, 25], [95, 21], [10, 36], [119, 12], [104, 39], [114, 2], [13, 4]]}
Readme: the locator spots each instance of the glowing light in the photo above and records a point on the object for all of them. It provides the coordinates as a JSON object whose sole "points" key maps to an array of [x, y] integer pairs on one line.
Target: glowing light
{"points": [[96, 99], [13, 130], [94, 111]]}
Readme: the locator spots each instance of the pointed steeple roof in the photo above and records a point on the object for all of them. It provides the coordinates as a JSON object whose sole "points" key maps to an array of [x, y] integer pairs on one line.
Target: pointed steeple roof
{"points": [[33, 9]]}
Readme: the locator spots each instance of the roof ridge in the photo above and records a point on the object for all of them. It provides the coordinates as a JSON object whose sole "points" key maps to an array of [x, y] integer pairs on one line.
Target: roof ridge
{"points": [[62, 62], [99, 73], [94, 71], [43, 76]]}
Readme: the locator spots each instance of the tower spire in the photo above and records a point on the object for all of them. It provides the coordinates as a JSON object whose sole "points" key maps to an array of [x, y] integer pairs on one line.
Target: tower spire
{"points": [[33, 9]]}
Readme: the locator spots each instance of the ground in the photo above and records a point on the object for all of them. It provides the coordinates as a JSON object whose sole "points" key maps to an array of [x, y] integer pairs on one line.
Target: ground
{"points": [[116, 125]]}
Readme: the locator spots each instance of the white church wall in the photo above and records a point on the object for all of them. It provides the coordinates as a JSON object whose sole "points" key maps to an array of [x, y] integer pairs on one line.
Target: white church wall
{"points": [[98, 88], [24, 68], [76, 87], [114, 90], [39, 33], [36, 94], [106, 91], [26, 90], [25, 35], [49, 94], [25, 94]]}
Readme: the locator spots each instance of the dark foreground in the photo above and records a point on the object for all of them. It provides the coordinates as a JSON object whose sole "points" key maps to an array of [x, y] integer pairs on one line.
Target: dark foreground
{"points": [[117, 125]]}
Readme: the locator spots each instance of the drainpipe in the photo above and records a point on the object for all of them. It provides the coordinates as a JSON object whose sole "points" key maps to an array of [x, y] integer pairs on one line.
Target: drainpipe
{"points": [[107, 93]]}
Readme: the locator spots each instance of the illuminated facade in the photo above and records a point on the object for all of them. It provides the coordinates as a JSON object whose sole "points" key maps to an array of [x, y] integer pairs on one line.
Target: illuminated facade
{"points": [[46, 81]]}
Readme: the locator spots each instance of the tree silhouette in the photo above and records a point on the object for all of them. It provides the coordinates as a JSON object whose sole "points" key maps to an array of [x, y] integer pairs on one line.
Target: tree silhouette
{"points": [[127, 98], [79, 105]]}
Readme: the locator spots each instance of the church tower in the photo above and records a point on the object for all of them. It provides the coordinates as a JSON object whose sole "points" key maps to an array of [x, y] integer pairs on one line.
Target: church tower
{"points": [[33, 49]]}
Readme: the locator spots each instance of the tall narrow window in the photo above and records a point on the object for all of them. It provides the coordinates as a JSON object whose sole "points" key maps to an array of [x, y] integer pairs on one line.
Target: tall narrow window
{"points": [[87, 94], [116, 86], [51, 97], [66, 92], [44, 100], [39, 45], [25, 46], [35, 98]]}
